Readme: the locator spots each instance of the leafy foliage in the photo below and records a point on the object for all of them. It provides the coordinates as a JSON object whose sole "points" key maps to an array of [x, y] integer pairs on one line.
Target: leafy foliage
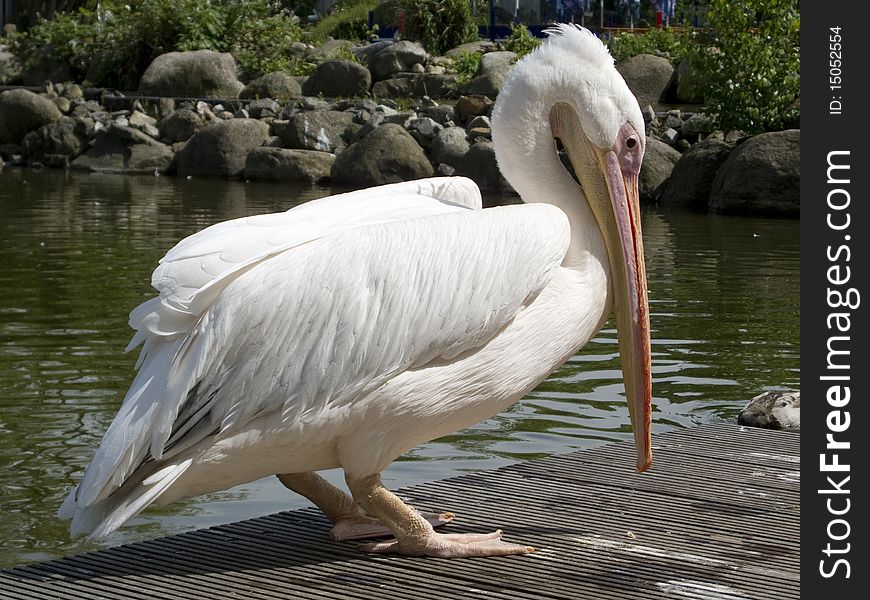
{"points": [[466, 66], [521, 42], [752, 63], [348, 20], [665, 42], [440, 24]]}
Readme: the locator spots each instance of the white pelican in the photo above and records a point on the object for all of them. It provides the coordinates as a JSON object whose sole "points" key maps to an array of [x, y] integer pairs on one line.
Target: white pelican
{"points": [[348, 330]]}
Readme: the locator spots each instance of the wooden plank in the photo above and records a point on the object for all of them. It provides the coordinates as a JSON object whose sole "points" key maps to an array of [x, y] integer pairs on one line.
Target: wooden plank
{"points": [[717, 517]]}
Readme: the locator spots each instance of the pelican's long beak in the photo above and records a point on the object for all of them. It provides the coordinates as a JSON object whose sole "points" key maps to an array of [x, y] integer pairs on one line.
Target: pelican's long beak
{"points": [[609, 178]]}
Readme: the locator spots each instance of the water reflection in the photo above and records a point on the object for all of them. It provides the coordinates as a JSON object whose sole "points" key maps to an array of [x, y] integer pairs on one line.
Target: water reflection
{"points": [[77, 252]]}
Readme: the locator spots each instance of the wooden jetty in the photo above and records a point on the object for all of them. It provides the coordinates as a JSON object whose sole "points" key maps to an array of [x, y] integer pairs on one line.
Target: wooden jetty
{"points": [[717, 517]]}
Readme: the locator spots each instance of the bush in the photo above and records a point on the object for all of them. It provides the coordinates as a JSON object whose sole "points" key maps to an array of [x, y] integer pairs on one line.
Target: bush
{"points": [[521, 42], [466, 66], [349, 20], [440, 24], [752, 64], [665, 42]]}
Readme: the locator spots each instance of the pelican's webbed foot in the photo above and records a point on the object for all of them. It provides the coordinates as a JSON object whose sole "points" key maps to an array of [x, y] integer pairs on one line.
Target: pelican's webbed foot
{"points": [[361, 527]]}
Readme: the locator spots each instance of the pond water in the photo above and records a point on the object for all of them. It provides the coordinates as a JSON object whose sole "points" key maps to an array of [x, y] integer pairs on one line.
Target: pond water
{"points": [[77, 252]]}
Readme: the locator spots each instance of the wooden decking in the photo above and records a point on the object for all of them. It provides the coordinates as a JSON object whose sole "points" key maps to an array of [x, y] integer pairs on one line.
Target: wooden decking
{"points": [[717, 516]]}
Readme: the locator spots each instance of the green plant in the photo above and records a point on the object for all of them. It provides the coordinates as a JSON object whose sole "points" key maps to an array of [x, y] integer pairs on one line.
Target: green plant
{"points": [[752, 63], [348, 20], [66, 39], [666, 42], [466, 65], [440, 24], [521, 42]]}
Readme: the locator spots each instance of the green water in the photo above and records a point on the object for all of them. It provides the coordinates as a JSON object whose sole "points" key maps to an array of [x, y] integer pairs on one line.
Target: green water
{"points": [[77, 252]]}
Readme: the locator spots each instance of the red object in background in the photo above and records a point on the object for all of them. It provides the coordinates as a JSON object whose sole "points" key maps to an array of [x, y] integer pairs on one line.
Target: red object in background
{"points": [[659, 18]]}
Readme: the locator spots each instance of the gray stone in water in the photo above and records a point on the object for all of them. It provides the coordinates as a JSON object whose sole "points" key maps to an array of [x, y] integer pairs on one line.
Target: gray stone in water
{"points": [[289, 165], [387, 155], [67, 137], [120, 149], [658, 162], [323, 130], [277, 85], [338, 78], [180, 125], [222, 148], [691, 180], [199, 74], [760, 177], [22, 111], [773, 410], [647, 76]]}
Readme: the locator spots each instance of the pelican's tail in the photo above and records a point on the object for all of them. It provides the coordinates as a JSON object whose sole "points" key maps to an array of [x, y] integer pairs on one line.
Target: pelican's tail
{"points": [[103, 517]]}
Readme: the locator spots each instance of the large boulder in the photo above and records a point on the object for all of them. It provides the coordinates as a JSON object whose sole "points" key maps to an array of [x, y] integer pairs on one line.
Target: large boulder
{"points": [[22, 111], [450, 146], [761, 177], [323, 130], [658, 162], [435, 85], [338, 78], [289, 165], [180, 125], [479, 164], [388, 58], [648, 77], [387, 155], [222, 148], [57, 142], [121, 149], [494, 67], [277, 85], [692, 178], [199, 74]]}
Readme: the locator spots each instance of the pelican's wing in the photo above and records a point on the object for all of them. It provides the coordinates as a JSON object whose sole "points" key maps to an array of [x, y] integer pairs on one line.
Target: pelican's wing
{"points": [[322, 321]]}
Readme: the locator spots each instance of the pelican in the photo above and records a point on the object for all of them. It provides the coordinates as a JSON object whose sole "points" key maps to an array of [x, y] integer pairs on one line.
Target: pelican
{"points": [[347, 330]]}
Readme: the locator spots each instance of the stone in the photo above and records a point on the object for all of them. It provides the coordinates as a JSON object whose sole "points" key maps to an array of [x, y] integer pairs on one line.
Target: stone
{"points": [[472, 106], [198, 74], [323, 130], [22, 111], [277, 85], [66, 136], [441, 113], [480, 121], [119, 149], [658, 162], [478, 46], [427, 127], [181, 125], [222, 148], [435, 85], [450, 146], [387, 59], [479, 164], [691, 179], [140, 120], [697, 124], [338, 78], [63, 104], [670, 136], [494, 67], [290, 165], [647, 76], [760, 177], [387, 155], [264, 107], [395, 87]]}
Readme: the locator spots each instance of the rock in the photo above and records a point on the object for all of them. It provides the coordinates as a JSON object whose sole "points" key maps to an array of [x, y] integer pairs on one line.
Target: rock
{"points": [[277, 85], [472, 106], [22, 111], [120, 149], [494, 67], [695, 125], [480, 121], [387, 155], [222, 148], [427, 127], [264, 107], [772, 410], [480, 132], [65, 137], [450, 146], [647, 76], [688, 87], [290, 165], [199, 74], [670, 136], [63, 104], [480, 165], [141, 121], [441, 113], [323, 130], [435, 85], [760, 177], [181, 125], [478, 46], [384, 60], [338, 78], [658, 162], [691, 180], [395, 87], [673, 119], [72, 91]]}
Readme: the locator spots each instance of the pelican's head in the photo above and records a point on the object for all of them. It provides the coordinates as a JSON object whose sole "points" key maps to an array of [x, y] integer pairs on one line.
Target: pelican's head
{"points": [[569, 92]]}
